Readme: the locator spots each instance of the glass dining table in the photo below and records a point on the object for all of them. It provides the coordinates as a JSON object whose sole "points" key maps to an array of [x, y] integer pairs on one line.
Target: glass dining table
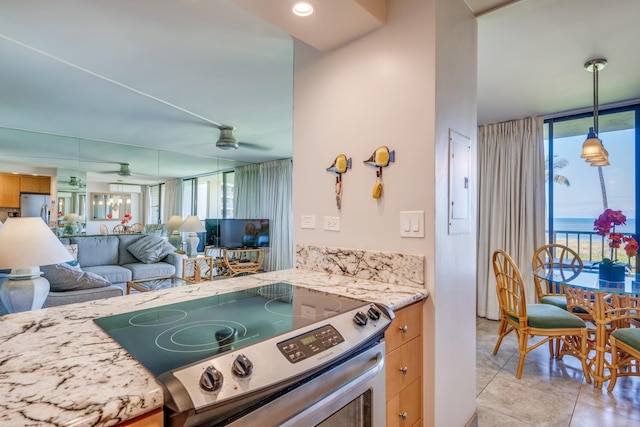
{"points": [[607, 305]]}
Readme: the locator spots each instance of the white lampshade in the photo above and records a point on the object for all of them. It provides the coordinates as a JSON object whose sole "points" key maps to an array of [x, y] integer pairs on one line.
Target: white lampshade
{"points": [[192, 225], [174, 223], [71, 217], [26, 244]]}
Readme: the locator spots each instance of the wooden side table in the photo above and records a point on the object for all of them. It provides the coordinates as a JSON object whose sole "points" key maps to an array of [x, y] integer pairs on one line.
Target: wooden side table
{"points": [[197, 269], [156, 283]]}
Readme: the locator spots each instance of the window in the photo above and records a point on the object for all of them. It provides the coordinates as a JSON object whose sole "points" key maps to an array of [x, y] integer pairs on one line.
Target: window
{"points": [[155, 213], [209, 196], [577, 193]]}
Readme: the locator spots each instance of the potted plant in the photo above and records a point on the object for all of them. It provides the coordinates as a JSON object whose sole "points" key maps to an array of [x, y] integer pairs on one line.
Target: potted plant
{"points": [[610, 270]]}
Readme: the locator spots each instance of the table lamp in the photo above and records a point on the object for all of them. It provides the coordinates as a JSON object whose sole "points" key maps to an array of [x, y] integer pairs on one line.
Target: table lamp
{"points": [[71, 223], [175, 238], [25, 245], [192, 225]]}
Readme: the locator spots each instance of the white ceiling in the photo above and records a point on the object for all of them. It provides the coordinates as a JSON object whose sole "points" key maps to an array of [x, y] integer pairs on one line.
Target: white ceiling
{"points": [[156, 73], [531, 55]]}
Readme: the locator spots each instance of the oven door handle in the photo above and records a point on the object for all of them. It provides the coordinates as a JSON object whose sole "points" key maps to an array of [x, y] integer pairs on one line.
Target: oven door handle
{"points": [[334, 392], [314, 401]]}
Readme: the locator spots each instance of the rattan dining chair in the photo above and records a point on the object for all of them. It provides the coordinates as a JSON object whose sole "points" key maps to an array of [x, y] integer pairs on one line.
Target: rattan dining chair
{"points": [[625, 354], [543, 320], [136, 227], [557, 260], [104, 230], [119, 229]]}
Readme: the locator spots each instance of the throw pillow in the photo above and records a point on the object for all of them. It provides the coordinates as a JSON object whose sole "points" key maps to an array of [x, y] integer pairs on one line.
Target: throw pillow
{"points": [[150, 249], [63, 277], [73, 251]]}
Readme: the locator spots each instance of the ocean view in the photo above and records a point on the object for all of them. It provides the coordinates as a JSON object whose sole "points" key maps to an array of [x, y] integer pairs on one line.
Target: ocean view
{"points": [[586, 225]]}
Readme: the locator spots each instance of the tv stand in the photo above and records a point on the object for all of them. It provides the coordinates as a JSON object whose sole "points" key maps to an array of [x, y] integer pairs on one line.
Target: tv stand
{"points": [[242, 260]]}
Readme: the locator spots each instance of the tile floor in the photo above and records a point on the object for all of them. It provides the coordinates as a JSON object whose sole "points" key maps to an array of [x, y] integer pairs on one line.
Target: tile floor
{"points": [[550, 392]]}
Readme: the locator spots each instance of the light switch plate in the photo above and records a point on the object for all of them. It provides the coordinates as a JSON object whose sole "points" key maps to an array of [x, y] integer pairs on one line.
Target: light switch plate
{"points": [[412, 224], [308, 221], [332, 223]]}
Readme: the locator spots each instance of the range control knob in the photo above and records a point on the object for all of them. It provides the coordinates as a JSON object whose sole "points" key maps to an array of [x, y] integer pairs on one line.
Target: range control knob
{"points": [[373, 313], [360, 319], [211, 379], [242, 366]]}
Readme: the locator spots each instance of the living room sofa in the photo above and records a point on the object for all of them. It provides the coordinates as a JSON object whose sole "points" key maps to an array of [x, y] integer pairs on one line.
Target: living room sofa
{"points": [[110, 258]]}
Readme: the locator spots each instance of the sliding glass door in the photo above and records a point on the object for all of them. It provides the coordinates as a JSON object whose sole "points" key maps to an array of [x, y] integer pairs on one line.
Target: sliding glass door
{"points": [[577, 193]]}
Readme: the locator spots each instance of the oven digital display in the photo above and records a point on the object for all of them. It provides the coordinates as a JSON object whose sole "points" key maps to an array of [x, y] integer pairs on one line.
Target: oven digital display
{"points": [[308, 340], [309, 344]]}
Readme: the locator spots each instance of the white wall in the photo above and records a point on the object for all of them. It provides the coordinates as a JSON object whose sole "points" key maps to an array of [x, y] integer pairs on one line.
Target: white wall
{"points": [[386, 89], [452, 309]]}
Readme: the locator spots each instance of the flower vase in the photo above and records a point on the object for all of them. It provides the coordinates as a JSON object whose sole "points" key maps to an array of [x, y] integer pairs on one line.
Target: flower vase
{"points": [[611, 272]]}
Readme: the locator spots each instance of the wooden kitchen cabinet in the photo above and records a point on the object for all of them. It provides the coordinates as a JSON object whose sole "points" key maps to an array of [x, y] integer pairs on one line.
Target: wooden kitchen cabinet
{"points": [[152, 419], [35, 184], [403, 341], [9, 191]]}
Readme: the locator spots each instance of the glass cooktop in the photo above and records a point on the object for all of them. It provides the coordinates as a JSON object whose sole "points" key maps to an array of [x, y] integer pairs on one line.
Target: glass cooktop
{"points": [[171, 336]]}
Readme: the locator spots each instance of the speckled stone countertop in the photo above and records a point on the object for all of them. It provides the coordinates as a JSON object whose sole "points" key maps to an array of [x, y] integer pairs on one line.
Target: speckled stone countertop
{"points": [[58, 368]]}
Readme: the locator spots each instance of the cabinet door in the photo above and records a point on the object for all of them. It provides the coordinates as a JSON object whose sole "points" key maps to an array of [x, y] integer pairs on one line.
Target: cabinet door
{"points": [[152, 419], [9, 191], [404, 365], [405, 408], [35, 184], [405, 327]]}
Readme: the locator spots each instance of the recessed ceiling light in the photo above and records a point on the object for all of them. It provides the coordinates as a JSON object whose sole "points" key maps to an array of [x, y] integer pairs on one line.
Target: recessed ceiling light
{"points": [[302, 8]]}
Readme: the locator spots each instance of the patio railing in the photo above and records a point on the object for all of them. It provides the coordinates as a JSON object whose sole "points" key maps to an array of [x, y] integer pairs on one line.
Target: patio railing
{"points": [[591, 247]]}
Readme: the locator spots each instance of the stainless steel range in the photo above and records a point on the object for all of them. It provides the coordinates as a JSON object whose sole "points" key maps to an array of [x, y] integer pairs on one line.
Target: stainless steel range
{"points": [[273, 355]]}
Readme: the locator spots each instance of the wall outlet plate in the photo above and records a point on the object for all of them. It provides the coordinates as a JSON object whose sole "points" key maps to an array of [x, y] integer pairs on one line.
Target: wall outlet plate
{"points": [[308, 221], [332, 223]]}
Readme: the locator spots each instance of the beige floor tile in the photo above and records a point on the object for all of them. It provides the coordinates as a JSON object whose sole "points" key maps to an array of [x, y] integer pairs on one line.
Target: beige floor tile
{"points": [[490, 418], [588, 416], [521, 402], [550, 393]]}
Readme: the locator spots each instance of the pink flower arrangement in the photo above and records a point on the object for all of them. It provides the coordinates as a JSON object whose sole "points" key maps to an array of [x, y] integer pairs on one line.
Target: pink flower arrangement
{"points": [[606, 224], [126, 219]]}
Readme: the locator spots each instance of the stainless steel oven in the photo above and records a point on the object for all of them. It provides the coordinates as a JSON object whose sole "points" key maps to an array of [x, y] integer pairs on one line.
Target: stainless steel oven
{"points": [[350, 395], [275, 355]]}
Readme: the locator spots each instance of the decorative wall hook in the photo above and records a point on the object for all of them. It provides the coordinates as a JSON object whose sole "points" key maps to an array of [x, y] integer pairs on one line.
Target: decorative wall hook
{"points": [[380, 158], [339, 166]]}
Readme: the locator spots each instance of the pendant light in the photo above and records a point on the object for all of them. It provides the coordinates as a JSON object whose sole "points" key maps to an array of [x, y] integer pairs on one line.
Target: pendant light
{"points": [[592, 149]]}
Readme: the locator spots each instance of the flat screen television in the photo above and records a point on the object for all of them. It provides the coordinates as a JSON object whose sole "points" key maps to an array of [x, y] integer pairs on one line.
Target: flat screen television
{"points": [[239, 233]]}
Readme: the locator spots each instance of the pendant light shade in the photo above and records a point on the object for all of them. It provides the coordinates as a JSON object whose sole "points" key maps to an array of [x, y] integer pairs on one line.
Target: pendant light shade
{"points": [[592, 146], [592, 149]]}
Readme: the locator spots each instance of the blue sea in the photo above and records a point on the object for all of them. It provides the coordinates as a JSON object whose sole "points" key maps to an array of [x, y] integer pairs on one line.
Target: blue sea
{"points": [[586, 225]]}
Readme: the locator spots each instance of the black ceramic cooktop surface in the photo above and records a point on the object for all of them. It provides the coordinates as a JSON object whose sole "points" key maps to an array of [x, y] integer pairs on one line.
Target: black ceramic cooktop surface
{"points": [[170, 336]]}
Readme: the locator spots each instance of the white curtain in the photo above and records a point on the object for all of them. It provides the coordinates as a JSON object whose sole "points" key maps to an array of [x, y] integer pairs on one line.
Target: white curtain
{"points": [[146, 204], [276, 190], [172, 199], [511, 199], [246, 192]]}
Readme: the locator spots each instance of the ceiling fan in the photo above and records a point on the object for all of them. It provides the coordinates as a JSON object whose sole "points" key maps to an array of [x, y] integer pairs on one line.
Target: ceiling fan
{"points": [[228, 141], [125, 170]]}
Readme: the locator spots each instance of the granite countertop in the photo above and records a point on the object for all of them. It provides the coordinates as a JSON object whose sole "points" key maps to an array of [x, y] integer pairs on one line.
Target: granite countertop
{"points": [[58, 368]]}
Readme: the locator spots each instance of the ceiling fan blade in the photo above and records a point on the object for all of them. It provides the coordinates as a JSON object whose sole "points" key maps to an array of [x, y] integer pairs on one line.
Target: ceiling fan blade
{"points": [[254, 146]]}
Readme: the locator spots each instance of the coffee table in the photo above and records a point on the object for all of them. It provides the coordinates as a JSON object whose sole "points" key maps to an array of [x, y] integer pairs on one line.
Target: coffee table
{"points": [[156, 283]]}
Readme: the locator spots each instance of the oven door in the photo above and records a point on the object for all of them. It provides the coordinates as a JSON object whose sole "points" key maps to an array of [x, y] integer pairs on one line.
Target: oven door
{"points": [[351, 394]]}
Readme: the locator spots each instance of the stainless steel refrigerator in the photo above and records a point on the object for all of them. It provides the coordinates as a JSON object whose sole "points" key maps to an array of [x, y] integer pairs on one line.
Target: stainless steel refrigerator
{"points": [[35, 205]]}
